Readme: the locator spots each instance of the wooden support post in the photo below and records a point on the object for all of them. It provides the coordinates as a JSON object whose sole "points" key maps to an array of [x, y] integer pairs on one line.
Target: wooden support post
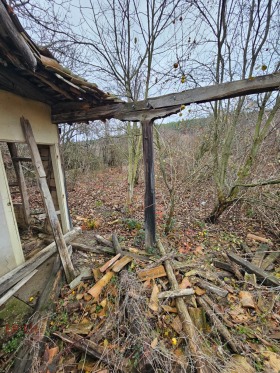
{"points": [[150, 206], [21, 181], [60, 188], [48, 202]]}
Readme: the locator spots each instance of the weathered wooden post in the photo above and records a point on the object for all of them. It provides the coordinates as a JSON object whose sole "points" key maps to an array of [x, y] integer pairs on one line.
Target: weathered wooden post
{"points": [[150, 203]]}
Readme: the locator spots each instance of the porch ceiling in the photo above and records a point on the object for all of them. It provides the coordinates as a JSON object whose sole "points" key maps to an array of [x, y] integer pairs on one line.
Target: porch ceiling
{"points": [[32, 72]]}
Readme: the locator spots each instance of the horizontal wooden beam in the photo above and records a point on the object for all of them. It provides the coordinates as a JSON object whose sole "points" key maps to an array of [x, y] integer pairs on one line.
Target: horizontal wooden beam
{"points": [[160, 107]]}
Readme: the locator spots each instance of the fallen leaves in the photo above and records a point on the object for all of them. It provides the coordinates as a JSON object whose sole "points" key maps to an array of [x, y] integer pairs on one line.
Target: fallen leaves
{"points": [[153, 304]]}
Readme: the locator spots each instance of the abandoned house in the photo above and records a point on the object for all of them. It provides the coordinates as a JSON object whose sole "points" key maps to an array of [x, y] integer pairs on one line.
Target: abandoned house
{"points": [[37, 94]]}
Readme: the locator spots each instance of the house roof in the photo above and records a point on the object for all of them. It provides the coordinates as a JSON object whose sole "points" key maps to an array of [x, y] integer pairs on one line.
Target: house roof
{"points": [[32, 72]]}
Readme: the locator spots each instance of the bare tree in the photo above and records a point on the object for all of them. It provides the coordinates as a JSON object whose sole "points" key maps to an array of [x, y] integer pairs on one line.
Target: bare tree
{"points": [[244, 39]]}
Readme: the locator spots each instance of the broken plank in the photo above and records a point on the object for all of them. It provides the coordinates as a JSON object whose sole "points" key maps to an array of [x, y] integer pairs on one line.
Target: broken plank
{"points": [[97, 288], [221, 265], [103, 241], [212, 288], [263, 276], [258, 238], [259, 255], [270, 259], [14, 289], [120, 264], [116, 243], [27, 357], [11, 278], [94, 350], [92, 249], [84, 273], [109, 263], [149, 274], [176, 293], [48, 201]]}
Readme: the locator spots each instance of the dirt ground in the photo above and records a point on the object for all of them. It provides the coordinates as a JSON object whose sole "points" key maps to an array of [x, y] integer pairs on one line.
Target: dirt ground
{"points": [[127, 327]]}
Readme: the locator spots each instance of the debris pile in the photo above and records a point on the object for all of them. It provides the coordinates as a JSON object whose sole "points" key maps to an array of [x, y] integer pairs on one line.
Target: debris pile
{"points": [[160, 313]]}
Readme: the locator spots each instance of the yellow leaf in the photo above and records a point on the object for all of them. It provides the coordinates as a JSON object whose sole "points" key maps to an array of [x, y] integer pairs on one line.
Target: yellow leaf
{"points": [[105, 342], [174, 341], [153, 304], [31, 299], [154, 343]]}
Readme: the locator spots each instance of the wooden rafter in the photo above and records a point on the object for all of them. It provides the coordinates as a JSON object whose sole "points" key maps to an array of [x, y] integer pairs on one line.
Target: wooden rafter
{"points": [[159, 107], [12, 35]]}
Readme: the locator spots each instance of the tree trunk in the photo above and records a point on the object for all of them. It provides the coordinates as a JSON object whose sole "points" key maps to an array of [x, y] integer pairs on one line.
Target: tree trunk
{"points": [[218, 210]]}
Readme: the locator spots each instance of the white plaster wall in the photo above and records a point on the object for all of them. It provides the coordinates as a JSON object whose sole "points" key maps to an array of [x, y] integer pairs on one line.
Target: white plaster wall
{"points": [[12, 107], [10, 246]]}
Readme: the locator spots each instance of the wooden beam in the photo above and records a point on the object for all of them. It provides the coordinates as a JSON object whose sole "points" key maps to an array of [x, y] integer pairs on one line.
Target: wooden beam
{"points": [[15, 288], [21, 159], [150, 202], [60, 187], [48, 202], [15, 83], [160, 107], [13, 277], [14, 36], [21, 181], [262, 276]]}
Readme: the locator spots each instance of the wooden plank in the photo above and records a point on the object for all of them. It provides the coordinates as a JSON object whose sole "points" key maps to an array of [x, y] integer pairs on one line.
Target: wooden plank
{"points": [[150, 201], [212, 288], [48, 203], [270, 259], [263, 276], [120, 264], [116, 243], [27, 357], [14, 36], [21, 159], [159, 107], [150, 274], [21, 181], [15, 288], [176, 293], [109, 263], [10, 279], [59, 183], [258, 238], [259, 255]]}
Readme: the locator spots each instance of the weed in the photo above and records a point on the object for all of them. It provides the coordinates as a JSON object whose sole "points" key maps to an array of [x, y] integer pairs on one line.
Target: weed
{"points": [[152, 250], [13, 343], [60, 319], [98, 203], [114, 280], [139, 239], [259, 365], [132, 224], [98, 308]]}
